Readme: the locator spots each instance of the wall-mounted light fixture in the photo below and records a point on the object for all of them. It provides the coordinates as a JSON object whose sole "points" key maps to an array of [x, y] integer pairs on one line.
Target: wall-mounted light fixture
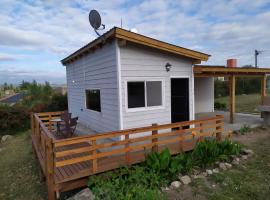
{"points": [[73, 81], [168, 67]]}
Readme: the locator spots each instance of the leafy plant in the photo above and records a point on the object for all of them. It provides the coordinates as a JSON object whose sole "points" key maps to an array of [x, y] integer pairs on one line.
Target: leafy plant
{"points": [[245, 129], [209, 151], [126, 183], [220, 106]]}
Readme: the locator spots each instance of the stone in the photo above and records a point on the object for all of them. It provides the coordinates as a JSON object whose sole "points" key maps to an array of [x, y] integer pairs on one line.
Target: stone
{"points": [[237, 159], [84, 194], [235, 162], [195, 171], [217, 162], [216, 170], [185, 180], [176, 184], [199, 176], [209, 171], [6, 138], [204, 174], [244, 157], [247, 151], [165, 189], [222, 166], [228, 165]]}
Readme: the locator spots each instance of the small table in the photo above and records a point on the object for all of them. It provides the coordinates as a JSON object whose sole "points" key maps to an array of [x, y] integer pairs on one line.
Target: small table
{"points": [[57, 121]]}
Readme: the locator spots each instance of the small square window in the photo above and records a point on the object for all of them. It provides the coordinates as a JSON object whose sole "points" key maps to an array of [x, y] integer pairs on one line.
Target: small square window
{"points": [[136, 97], [93, 100]]}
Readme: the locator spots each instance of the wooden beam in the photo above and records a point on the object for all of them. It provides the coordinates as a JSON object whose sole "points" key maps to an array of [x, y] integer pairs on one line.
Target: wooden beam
{"points": [[232, 97], [263, 88]]}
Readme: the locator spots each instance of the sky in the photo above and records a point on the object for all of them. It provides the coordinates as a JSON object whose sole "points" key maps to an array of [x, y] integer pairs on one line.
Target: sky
{"points": [[36, 34]]}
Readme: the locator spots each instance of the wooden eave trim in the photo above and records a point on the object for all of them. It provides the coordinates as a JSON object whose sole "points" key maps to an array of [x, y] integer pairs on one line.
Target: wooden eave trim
{"points": [[143, 40], [138, 39], [197, 69], [87, 48]]}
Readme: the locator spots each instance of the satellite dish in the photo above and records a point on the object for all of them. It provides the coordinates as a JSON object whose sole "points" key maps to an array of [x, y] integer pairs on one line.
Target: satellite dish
{"points": [[95, 21]]}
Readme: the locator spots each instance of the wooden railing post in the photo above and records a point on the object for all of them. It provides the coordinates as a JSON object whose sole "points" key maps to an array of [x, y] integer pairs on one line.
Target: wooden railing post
{"points": [[181, 143], [50, 122], [218, 130], [94, 153], [127, 156], [154, 140], [50, 169]]}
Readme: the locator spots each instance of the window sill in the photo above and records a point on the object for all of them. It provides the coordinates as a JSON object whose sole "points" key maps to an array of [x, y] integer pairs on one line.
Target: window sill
{"points": [[144, 109]]}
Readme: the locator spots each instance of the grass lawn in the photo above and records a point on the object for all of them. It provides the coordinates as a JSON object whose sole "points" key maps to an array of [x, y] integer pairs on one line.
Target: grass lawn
{"points": [[250, 180], [244, 103], [18, 170]]}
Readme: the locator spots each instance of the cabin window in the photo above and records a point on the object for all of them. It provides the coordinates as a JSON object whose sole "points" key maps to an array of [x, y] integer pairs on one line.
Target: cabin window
{"points": [[136, 98], [142, 94], [93, 100]]}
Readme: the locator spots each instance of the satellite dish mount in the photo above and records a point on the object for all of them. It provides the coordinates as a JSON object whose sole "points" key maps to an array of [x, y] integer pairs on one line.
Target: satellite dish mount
{"points": [[95, 21]]}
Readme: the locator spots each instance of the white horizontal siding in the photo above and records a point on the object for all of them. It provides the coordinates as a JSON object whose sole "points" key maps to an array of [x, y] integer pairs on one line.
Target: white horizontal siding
{"points": [[145, 63], [96, 70], [204, 94]]}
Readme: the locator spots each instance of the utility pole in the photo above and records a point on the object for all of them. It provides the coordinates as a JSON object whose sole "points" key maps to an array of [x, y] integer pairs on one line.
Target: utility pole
{"points": [[256, 57]]}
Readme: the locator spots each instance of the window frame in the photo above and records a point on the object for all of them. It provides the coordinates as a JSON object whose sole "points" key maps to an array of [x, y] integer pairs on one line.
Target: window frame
{"points": [[145, 108], [85, 101]]}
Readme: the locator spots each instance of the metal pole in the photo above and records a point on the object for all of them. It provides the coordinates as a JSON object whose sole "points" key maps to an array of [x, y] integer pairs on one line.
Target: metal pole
{"points": [[256, 55]]}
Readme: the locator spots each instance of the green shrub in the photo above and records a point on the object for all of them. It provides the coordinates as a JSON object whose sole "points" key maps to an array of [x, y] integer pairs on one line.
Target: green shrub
{"points": [[220, 106], [13, 118], [209, 151], [245, 129], [143, 181], [131, 183], [58, 103]]}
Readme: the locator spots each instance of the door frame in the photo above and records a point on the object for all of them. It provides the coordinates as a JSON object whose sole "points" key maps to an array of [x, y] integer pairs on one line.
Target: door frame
{"points": [[191, 94]]}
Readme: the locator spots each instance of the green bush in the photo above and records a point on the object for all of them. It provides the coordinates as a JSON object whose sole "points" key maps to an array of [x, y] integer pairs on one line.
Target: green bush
{"points": [[143, 181], [209, 151], [13, 118], [134, 183], [58, 103], [245, 129], [220, 106]]}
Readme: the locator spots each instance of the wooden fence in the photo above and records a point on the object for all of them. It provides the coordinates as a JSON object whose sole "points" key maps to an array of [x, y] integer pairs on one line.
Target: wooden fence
{"points": [[67, 163]]}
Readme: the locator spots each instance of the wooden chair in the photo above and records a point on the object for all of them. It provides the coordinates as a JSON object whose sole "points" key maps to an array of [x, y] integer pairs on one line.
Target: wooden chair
{"points": [[68, 125]]}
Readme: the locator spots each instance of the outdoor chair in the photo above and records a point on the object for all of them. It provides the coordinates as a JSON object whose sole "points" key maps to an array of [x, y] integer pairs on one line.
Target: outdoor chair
{"points": [[67, 125]]}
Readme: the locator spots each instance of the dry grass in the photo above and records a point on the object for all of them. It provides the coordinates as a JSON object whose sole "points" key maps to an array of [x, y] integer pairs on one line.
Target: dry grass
{"points": [[244, 103], [18, 170]]}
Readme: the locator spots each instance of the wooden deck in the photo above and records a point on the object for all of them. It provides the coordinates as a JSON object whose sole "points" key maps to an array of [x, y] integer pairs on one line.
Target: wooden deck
{"points": [[67, 163]]}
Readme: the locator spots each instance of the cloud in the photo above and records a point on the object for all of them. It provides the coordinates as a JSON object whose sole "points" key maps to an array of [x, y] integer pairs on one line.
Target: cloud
{"points": [[58, 28], [17, 74]]}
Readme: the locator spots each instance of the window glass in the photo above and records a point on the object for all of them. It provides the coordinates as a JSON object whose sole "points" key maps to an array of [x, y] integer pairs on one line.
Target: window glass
{"points": [[136, 96], [154, 93], [93, 100]]}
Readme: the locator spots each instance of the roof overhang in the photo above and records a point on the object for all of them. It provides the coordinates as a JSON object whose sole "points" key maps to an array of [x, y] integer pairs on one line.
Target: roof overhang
{"points": [[125, 35], [222, 71]]}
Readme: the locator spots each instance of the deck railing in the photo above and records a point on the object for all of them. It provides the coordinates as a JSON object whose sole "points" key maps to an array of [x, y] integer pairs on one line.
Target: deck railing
{"points": [[102, 152]]}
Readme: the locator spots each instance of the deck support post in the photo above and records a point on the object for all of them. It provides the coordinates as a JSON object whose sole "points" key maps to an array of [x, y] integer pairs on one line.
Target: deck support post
{"points": [[232, 97], [154, 140], [218, 130], [50, 170], [263, 88], [127, 155], [94, 153]]}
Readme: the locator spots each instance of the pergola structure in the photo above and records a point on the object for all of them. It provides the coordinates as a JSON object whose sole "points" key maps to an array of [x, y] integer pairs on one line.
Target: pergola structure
{"points": [[232, 73]]}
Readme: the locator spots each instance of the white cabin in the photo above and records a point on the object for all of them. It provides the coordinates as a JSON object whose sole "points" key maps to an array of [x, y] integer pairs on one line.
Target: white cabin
{"points": [[125, 80]]}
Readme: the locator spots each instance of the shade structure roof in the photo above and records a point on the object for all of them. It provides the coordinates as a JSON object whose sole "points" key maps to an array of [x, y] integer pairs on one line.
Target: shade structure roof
{"points": [[220, 71]]}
